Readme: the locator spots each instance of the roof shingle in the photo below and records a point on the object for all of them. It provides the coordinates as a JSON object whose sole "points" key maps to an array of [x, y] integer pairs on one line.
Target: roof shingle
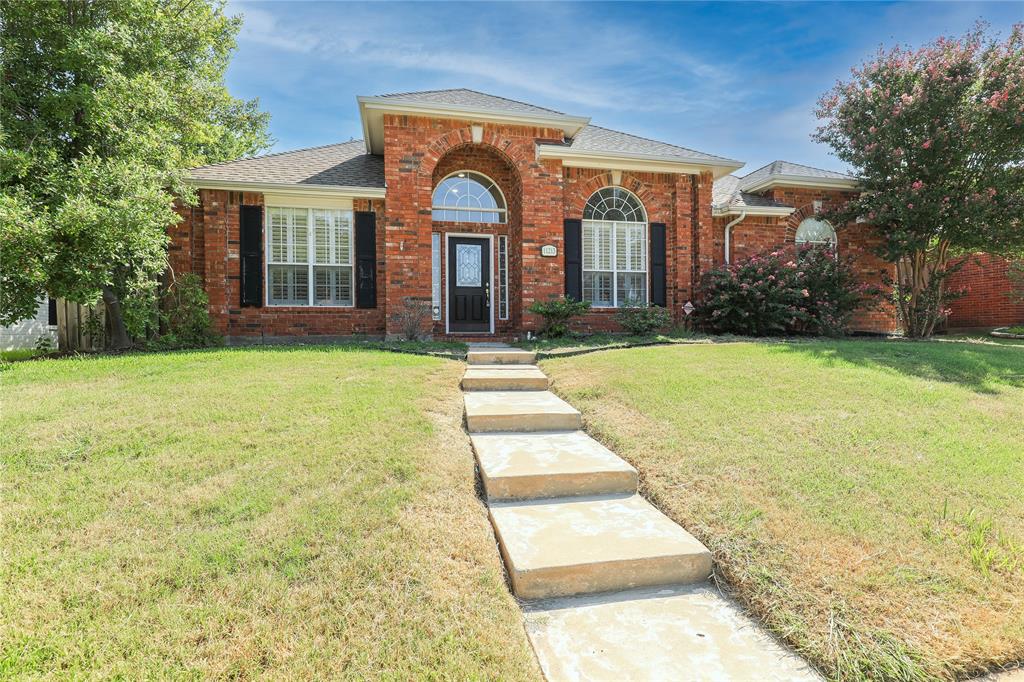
{"points": [[471, 99], [790, 169], [597, 139], [345, 164]]}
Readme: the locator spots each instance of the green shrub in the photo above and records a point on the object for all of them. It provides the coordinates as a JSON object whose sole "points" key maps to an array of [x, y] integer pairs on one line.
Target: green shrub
{"points": [[805, 290], [640, 320], [185, 316], [557, 312]]}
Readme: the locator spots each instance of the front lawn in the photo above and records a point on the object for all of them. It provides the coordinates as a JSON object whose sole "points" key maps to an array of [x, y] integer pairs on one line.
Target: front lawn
{"points": [[863, 497], [282, 513]]}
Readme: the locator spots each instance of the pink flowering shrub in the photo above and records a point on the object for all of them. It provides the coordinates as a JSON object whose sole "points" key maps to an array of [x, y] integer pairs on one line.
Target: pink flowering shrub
{"points": [[792, 290]]}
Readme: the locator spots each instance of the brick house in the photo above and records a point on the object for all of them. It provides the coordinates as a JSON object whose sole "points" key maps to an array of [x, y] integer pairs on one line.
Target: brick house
{"points": [[477, 206]]}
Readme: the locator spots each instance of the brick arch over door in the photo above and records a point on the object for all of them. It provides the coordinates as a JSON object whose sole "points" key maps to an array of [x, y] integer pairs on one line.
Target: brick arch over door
{"points": [[455, 151], [486, 161]]}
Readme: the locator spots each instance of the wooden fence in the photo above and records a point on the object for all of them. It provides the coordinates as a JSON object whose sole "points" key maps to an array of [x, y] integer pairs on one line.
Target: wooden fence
{"points": [[80, 327]]}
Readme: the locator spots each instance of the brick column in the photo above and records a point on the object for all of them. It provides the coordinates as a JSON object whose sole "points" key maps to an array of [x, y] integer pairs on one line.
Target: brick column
{"points": [[681, 247], [216, 222]]}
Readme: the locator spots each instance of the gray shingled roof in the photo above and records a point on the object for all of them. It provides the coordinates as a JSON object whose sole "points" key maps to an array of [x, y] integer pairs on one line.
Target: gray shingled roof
{"points": [[790, 169], [345, 164], [726, 194], [596, 139], [472, 99]]}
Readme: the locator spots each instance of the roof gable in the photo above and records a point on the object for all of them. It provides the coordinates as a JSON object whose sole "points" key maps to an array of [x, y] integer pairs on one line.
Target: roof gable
{"points": [[787, 173]]}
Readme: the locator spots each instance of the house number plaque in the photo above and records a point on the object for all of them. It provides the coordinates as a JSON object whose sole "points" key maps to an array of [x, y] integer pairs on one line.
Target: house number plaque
{"points": [[548, 251]]}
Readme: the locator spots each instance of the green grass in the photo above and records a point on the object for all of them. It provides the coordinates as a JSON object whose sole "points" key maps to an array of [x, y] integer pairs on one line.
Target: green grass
{"points": [[19, 354], [275, 512], [863, 497]]}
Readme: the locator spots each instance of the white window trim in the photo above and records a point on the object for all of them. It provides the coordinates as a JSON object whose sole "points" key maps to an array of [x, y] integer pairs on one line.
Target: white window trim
{"points": [[502, 212], [310, 258], [503, 297], [615, 270]]}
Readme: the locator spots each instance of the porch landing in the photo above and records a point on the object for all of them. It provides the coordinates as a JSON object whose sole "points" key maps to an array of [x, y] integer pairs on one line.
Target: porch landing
{"points": [[617, 589]]}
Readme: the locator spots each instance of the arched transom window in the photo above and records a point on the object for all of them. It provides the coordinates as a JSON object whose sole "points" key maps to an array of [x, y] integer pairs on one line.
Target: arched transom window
{"points": [[468, 197], [614, 249], [815, 231]]}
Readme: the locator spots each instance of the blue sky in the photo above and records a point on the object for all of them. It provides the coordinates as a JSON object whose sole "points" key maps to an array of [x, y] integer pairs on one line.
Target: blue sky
{"points": [[735, 79]]}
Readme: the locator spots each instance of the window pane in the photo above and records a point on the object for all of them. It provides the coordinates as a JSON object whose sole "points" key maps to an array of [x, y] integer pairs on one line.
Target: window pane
{"points": [[278, 238], [631, 288], [631, 247], [597, 289], [322, 221], [473, 193], [614, 203], [288, 285], [300, 235], [343, 238], [597, 246], [332, 285]]}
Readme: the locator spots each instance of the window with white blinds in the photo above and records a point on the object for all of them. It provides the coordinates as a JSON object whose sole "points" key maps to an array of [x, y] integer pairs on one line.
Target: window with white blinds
{"points": [[309, 257], [614, 249]]}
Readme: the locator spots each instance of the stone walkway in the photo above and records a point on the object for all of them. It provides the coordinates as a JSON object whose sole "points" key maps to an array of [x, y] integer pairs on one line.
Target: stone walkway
{"points": [[613, 588]]}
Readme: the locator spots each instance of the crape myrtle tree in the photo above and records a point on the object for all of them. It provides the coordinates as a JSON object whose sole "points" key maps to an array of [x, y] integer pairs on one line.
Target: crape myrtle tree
{"points": [[103, 105], [936, 136]]}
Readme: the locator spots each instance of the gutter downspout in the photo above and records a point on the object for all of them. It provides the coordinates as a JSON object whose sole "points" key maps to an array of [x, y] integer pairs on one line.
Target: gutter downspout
{"points": [[728, 235]]}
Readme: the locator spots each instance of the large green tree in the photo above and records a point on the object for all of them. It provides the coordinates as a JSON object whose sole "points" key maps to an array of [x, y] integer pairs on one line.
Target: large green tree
{"points": [[103, 105], [937, 138]]}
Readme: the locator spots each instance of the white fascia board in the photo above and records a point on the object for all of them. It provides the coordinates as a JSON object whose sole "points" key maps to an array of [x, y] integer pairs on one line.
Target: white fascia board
{"points": [[638, 162], [290, 189], [800, 181], [770, 211], [377, 106]]}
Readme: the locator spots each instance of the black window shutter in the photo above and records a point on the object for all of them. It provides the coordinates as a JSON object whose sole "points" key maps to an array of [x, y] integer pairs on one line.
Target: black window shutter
{"points": [[658, 264], [366, 259], [250, 223], [51, 311], [574, 259]]}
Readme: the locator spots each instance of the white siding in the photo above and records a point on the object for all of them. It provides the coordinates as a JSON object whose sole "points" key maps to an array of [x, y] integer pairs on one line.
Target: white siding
{"points": [[24, 334]]}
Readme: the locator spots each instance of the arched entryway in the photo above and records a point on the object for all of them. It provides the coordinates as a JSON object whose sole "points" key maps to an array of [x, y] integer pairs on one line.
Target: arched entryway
{"points": [[476, 234]]}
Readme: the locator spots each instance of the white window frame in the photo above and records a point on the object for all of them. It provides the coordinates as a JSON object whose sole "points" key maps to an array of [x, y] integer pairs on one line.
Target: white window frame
{"points": [[832, 244], [615, 270], [502, 210], [310, 263]]}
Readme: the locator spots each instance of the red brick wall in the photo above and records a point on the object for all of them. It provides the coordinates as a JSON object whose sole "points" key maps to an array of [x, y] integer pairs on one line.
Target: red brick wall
{"points": [[419, 152], [989, 299], [756, 234]]}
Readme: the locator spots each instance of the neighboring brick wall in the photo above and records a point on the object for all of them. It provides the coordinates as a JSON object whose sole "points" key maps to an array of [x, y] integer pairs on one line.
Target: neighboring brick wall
{"points": [[989, 299], [756, 234]]}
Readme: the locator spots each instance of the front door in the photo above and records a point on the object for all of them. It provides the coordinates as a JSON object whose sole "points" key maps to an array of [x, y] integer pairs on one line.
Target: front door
{"points": [[469, 284]]}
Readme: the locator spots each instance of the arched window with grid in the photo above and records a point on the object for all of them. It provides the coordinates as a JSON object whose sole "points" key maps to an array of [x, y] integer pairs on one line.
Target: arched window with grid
{"points": [[614, 249]]}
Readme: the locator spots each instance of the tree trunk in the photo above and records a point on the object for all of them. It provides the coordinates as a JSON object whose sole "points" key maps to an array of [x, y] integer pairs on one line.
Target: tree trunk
{"points": [[920, 282], [118, 332]]}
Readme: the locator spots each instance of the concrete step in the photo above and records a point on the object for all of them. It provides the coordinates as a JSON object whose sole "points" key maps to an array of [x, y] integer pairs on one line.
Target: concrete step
{"points": [[558, 548], [523, 466], [682, 632], [519, 411], [501, 356], [504, 378]]}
